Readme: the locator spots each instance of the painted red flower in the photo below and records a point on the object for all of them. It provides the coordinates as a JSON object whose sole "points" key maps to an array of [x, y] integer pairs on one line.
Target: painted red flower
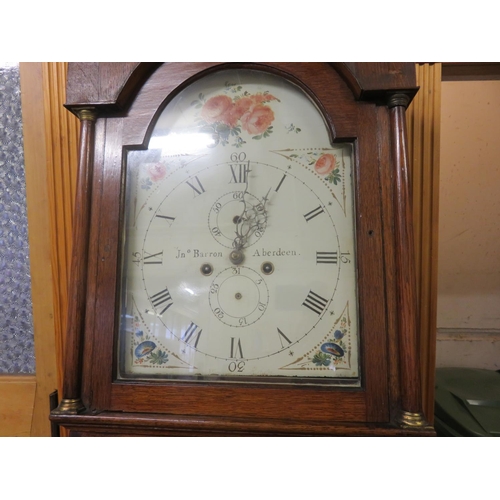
{"points": [[217, 109], [239, 108], [157, 171], [325, 164], [257, 120]]}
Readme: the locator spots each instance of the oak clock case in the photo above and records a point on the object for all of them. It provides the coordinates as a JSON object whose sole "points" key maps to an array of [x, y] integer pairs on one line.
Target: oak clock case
{"points": [[242, 252], [239, 259]]}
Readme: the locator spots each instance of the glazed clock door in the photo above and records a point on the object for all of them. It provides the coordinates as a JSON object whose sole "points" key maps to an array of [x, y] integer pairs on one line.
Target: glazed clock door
{"points": [[242, 258], [239, 258]]}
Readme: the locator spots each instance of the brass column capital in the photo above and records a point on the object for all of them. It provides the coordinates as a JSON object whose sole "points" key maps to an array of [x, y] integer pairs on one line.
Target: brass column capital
{"points": [[89, 114], [398, 99]]}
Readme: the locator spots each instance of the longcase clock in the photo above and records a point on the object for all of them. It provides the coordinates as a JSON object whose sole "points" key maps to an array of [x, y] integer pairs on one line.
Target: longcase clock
{"points": [[243, 252]]}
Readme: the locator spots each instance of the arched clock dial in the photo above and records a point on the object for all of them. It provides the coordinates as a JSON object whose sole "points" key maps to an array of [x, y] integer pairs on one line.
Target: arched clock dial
{"points": [[239, 259]]}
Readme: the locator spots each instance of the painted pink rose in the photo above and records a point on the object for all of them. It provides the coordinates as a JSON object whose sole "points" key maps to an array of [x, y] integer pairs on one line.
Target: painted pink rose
{"points": [[325, 164], [157, 171], [239, 108], [217, 109], [257, 120]]}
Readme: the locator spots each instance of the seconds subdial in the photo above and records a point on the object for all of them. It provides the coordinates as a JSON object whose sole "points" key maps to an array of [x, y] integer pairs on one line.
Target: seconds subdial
{"points": [[238, 296]]}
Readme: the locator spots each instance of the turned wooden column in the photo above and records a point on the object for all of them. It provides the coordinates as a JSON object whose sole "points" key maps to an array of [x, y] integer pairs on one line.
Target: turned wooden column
{"points": [[410, 381], [71, 402]]}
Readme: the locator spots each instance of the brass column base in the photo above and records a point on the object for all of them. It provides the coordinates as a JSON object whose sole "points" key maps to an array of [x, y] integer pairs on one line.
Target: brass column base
{"points": [[409, 420], [69, 407]]}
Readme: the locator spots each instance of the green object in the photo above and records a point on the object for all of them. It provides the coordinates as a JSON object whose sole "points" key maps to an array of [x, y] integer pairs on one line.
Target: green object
{"points": [[467, 402]]}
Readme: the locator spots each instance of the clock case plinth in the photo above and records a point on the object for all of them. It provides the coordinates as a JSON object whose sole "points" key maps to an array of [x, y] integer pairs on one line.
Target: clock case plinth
{"points": [[363, 103]]}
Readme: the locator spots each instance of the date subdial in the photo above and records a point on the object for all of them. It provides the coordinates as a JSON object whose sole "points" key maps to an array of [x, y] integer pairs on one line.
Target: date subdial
{"points": [[238, 296], [237, 220]]}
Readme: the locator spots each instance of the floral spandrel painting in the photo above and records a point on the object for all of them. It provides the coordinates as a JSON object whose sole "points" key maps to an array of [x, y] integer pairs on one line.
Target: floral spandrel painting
{"points": [[232, 117], [16, 322]]}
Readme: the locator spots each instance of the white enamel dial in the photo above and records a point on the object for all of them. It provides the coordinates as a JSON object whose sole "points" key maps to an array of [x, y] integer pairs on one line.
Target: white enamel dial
{"points": [[239, 258]]}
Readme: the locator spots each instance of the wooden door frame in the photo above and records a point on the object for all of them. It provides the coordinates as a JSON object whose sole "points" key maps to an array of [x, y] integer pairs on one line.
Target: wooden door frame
{"points": [[50, 146], [424, 123], [25, 399]]}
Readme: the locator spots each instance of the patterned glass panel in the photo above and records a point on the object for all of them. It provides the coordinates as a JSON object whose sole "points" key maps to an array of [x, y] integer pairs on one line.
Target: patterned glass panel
{"points": [[16, 321]]}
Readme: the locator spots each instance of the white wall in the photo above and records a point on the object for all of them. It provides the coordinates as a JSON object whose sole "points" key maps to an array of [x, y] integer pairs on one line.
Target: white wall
{"points": [[469, 229]]}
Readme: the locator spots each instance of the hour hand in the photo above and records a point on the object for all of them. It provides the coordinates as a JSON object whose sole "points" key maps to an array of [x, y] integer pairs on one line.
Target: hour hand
{"points": [[252, 221]]}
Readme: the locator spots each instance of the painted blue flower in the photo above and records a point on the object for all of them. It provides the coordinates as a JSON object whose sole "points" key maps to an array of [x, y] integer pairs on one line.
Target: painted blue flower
{"points": [[139, 333], [338, 334], [333, 349], [144, 348], [146, 183]]}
